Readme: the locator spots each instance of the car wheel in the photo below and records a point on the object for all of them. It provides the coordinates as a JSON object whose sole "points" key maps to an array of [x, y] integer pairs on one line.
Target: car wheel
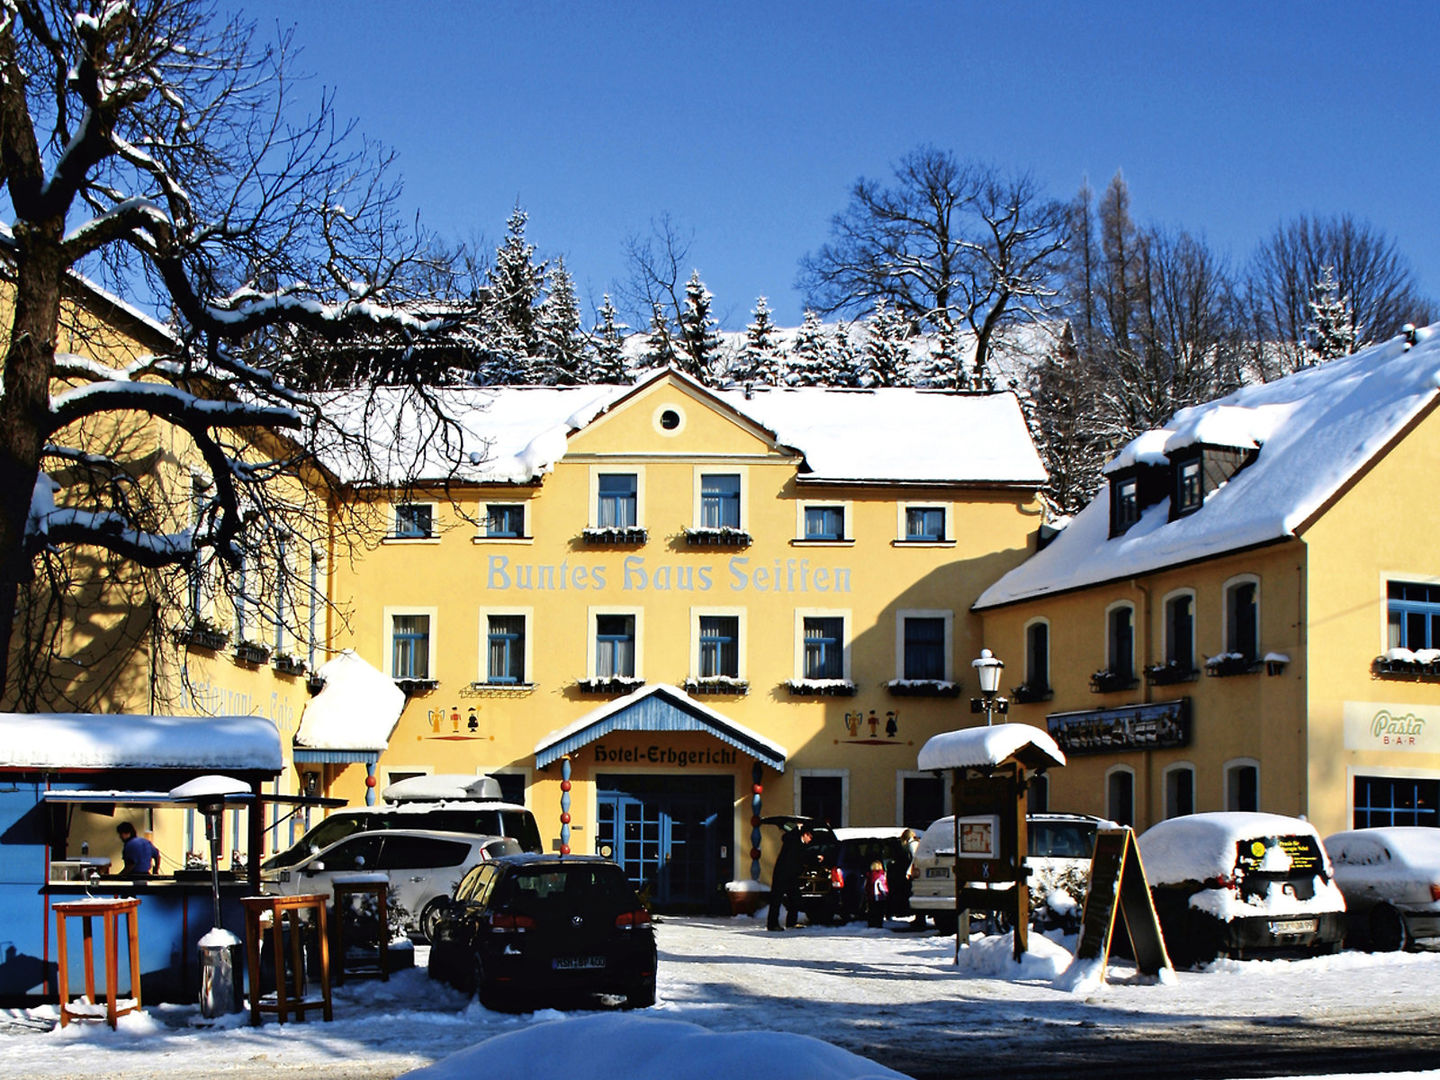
{"points": [[641, 995], [429, 919], [1387, 929]]}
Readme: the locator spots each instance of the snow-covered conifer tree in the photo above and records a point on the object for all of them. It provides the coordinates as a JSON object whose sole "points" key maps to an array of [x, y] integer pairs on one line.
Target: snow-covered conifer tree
{"points": [[845, 364], [886, 352], [1332, 331], [660, 342], [699, 332], [557, 325], [759, 360], [943, 368], [807, 361], [514, 291], [606, 359]]}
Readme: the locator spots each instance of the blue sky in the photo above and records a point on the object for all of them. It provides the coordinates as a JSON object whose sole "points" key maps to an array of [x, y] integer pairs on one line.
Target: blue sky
{"points": [[747, 122]]}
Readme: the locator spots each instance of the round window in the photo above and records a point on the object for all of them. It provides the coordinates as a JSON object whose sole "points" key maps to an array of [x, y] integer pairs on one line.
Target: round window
{"points": [[669, 419]]}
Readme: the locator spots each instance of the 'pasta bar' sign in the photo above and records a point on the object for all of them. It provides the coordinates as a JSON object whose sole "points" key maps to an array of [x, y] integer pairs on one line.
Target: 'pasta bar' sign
{"points": [[1379, 726]]}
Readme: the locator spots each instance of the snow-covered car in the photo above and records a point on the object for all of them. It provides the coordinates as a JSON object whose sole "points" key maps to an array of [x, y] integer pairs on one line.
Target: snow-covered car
{"points": [[1390, 878], [1059, 851], [1241, 883], [542, 927], [423, 867]]}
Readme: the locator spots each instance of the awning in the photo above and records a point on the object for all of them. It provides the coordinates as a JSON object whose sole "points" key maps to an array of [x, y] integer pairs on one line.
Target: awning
{"points": [[660, 708]]}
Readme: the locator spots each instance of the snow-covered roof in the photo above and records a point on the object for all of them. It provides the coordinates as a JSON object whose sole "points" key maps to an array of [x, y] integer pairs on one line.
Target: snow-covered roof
{"points": [[357, 709], [517, 434], [657, 707], [1316, 430], [981, 746], [53, 741], [1198, 847]]}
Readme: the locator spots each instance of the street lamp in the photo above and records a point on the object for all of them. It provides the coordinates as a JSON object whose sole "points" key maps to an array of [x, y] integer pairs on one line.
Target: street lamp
{"points": [[987, 670]]}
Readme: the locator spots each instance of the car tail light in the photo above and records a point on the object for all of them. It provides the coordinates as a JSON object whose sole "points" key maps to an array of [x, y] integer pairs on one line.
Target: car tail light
{"points": [[504, 920], [628, 920], [1435, 890], [837, 877]]}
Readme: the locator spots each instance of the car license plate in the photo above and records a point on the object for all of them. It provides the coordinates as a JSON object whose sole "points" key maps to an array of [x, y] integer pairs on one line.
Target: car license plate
{"points": [[578, 963], [937, 871], [1292, 926]]}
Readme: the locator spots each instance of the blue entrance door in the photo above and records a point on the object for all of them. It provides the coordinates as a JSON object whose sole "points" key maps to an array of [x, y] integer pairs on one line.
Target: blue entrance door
{"points": [[673, 836]]}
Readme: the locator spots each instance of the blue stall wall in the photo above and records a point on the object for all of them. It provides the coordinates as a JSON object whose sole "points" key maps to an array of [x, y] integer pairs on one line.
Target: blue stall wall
{"points": [[27, 970]]}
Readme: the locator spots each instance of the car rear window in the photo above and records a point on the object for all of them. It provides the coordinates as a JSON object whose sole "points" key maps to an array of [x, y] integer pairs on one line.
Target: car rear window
{"points": [[1062, 839], [536, 889], [1280, 856]]}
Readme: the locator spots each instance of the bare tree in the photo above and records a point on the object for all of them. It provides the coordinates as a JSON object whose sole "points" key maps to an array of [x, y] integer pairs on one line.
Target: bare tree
{"points": [[1369, 271], [947, 243], [141, 139]]}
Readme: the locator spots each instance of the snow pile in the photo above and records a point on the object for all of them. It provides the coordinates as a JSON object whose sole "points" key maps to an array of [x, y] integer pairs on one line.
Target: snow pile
{"points": [[357, 709], [993, 957], [601, 1047]]}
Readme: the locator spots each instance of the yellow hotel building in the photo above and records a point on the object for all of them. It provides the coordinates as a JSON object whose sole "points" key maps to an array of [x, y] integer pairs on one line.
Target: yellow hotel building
{"points": [[658, 612], [1248, 615]]}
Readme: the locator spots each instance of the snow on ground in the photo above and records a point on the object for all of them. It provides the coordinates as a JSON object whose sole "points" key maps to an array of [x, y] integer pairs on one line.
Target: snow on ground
{"points": [[850, 986]]}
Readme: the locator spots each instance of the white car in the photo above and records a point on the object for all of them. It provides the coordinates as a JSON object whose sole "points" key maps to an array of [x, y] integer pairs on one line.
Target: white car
{"points": [[1390, 878], [423, 867], [1060, 847]]}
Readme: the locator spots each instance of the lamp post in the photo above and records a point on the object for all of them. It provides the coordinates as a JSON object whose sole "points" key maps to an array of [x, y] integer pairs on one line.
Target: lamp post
{"points": [[987, 670]]}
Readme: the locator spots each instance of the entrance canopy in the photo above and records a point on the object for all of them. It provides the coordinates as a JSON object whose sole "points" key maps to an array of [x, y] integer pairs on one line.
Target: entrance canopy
{"points": [[657, 707]]}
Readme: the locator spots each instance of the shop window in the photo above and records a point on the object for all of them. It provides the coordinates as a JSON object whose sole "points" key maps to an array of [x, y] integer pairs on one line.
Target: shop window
{"points": [[619, 497], [1414, 615], [414, 521], [615, 646], [505, 639], [1242, 620], [410, 647], [1179, 791], [925, 523], [719, 646], [824, 523], [505, 520], [824, 651], [924, 648], [720, 501], [1396, 800], [1120, 796], [1242, 786]]}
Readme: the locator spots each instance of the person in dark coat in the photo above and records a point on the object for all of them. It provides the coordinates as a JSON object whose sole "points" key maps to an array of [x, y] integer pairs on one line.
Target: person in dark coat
{"points": [[785, 878]]}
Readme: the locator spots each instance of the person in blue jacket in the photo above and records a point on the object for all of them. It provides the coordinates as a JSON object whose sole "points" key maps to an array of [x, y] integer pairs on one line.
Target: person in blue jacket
{"points": [[138, 855]]}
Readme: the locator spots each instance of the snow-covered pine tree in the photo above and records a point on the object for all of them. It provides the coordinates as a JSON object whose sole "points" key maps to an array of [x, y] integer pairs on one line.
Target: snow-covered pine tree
{"points": [[660, 342], [759, 360], [699, 344], [557, 325], [943, 367], [886, 352], [845, 365], [514, 287], [1332, 331], [806, 365], [605, 360]]}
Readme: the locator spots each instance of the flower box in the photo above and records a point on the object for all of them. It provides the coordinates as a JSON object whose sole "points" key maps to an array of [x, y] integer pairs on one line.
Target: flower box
{"points": [[314, 684], [938, 688], [718, 684], [250, 652], [821, 688], [1106, 681], [286, 664], [202, 636], [417, 686], [632, 534], [610, 684], [1227, 664], [1169, 674], [724, 536], [1026, 694]]}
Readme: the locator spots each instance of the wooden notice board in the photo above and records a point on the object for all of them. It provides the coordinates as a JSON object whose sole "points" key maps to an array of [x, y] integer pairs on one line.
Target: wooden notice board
{"points": [[1117, 883]]}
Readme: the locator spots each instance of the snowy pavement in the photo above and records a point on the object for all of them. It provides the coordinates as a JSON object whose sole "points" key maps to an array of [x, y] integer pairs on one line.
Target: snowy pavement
{"points": [[897, 998]]}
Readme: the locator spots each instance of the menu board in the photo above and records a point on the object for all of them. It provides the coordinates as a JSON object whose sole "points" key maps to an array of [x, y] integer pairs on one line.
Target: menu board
{"points": [[1117, 883]]}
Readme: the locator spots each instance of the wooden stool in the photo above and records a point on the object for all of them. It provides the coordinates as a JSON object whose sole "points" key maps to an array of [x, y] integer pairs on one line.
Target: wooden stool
{"points": [[110, 910], [278, 909], [347, 888]]}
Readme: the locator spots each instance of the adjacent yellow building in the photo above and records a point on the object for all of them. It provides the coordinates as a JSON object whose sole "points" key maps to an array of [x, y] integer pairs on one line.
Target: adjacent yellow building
{"points": [[1247, 616]]}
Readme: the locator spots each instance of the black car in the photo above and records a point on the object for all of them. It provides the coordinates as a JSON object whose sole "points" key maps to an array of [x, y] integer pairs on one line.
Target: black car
{"points": [[821, 887], [529, 927]]}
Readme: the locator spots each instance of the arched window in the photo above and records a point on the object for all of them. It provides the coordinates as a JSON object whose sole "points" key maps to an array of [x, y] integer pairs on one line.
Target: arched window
{"points": [[1180, 630], [1242, 784], [1179, 790], [1120, 640], [1120, 795], [1037, 657], [1242, 618]]}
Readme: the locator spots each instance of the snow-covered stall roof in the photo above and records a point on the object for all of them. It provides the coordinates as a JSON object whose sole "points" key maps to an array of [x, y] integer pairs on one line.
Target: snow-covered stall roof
{"points": [[656, 707], [1315, 430], [516, 434], [987, 746], [56, 741], [357, 709]]}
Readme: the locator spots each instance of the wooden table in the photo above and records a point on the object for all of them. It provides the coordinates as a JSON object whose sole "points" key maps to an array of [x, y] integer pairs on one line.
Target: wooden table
{"points": [[349, 887], [276, 910], [111, 911]]}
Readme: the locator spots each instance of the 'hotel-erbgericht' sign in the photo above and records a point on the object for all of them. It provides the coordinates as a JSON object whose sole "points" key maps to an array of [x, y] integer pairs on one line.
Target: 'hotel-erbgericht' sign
{"points": [[1373, 725]]}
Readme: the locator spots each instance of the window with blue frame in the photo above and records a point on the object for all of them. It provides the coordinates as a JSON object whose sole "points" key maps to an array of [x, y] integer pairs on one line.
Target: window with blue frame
{"points": [[614, 646], [414, 521], [720, 501], [719, 646], [824, 650], [824, 523], [619, 501], [410, 647], [1414, 611], [1396, 800], [924, 648], [925, 523], [507, 649], [505, 520]]}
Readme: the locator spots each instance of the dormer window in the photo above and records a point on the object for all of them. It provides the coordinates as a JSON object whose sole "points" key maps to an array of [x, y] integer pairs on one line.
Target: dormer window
{"points": [[1124, 504], [1189, 486]]}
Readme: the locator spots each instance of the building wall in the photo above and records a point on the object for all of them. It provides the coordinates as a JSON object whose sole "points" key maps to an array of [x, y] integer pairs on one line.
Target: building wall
{"points": [[560, 581]]}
